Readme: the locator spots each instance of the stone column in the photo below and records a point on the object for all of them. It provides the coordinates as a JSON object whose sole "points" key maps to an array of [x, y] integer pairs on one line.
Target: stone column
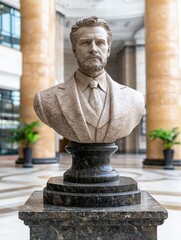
{"points": [[139, 37], [127, 66], [38, 49], [59, 46], [59, 62], [163, 80]]}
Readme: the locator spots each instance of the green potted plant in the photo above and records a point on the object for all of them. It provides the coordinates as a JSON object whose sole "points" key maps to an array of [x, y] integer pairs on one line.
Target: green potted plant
{"points": [[27, 135], [168, 137]]}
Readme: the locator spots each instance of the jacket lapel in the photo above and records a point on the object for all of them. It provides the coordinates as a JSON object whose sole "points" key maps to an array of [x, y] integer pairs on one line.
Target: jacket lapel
{"points": [[67, 96]]}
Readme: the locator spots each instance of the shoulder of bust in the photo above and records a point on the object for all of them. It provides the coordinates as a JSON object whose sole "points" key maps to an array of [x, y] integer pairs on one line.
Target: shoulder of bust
{"points": [[114, 83], [56, 87]]}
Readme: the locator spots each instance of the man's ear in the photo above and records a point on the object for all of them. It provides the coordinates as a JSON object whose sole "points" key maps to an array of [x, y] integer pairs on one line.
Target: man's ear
{"points": [[108, 52], [74, 51]]}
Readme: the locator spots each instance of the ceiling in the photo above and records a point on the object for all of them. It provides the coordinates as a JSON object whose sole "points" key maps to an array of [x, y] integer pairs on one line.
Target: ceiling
{"points": [[125, 17]]}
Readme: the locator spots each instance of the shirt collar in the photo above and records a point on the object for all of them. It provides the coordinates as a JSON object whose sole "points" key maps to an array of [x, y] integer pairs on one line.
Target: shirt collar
{"points": [[83, 80]]}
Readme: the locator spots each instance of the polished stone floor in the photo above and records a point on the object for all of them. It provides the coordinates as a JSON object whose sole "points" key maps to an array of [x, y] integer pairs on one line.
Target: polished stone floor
{"points": [[17, 184]]}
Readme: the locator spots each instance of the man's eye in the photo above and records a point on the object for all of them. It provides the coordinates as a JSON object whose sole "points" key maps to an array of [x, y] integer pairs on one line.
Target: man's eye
{"points": [[85, 43], [99, 43]]}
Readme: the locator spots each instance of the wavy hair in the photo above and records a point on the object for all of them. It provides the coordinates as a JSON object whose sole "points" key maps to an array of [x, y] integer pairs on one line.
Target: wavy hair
{"points": [[90, 22]]}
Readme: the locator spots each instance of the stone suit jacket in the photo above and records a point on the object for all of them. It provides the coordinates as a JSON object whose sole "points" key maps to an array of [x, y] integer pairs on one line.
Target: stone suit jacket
{"points": [[59, 107]]}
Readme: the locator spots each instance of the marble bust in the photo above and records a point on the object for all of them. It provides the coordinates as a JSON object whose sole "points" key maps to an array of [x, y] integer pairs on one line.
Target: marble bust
{"points": [[90, 107]]}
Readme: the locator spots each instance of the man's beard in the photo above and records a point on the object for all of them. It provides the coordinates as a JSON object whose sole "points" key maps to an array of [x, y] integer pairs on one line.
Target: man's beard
{"points": [[96, 66]]}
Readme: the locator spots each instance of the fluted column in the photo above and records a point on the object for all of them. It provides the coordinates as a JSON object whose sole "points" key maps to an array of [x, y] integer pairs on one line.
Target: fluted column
{"points": [[38, 48], [163, 80]]}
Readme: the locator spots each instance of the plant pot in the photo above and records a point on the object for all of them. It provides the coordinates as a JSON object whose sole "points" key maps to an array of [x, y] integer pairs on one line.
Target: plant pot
{"points": [[27, 157], [168, 159]]}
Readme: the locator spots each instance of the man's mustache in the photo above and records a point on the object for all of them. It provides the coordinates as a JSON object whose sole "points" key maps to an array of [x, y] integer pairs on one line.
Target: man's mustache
{"points": [[92, 56]]}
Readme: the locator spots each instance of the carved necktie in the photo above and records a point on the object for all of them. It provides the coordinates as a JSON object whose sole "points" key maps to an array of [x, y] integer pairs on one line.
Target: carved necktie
{"points": [[95, 99]]}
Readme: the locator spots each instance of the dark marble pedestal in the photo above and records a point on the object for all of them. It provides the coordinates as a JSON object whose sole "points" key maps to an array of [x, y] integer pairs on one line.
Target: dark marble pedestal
{"points": [[91, 201], [91, 181], [112, 194], [134, 222]]}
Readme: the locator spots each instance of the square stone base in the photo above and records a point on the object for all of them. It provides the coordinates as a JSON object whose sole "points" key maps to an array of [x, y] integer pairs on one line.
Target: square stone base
{"points": [[135, 222]]}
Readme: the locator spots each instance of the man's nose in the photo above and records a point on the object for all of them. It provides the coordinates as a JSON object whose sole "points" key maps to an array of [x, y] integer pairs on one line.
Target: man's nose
{"points": [[93, 47]]}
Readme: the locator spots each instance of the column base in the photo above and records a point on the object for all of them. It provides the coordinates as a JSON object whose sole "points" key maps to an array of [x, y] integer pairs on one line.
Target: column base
{"points": [[125, 222], [39, 160], [159, 162]]}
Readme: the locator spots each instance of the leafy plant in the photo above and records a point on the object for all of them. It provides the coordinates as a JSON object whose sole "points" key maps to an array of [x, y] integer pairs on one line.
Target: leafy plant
{"points": [[26, 133], [168, 136]]}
